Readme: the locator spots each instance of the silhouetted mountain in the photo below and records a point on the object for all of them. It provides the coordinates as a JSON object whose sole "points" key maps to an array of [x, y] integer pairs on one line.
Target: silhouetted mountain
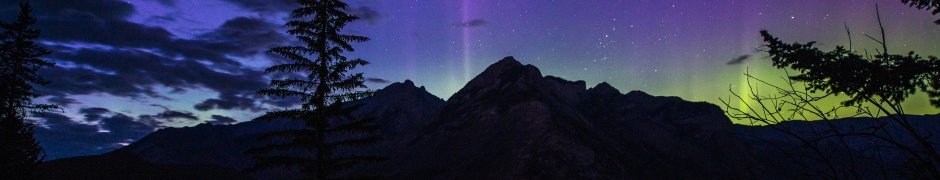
{"points": [[511, 122], [400, 107], [508, 122]]}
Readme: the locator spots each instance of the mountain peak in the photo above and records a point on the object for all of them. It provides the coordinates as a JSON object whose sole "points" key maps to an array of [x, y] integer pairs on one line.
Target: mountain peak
{"points": [[507, 61], [604, 88], [401, 88], [504, 71], [508, 64], [407, 84]]}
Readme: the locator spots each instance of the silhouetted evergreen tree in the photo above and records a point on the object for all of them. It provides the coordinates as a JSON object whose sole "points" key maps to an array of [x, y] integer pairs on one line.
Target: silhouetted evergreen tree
{"points": [[20, 153], [931, 5], [329, 124]]}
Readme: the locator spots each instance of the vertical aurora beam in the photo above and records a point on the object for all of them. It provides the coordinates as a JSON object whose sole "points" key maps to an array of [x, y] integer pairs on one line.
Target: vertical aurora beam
{"points": [[465, 12], [746, 34]]}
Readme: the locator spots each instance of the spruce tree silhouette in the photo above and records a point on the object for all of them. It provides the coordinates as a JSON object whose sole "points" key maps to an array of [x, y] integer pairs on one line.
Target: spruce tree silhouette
{"points": [[20, 153], [931, 5], [329, 124]]}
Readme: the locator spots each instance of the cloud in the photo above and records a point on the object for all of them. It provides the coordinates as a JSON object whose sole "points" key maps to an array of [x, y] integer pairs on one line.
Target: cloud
{"points": [[102, 52], [377, 80], [161, 19], [100, 9], [98, 21], [168, 116], [168, 3], [94, 110], [64, 137], [165, 108], [136, 58], [265, 6], [228, 101], [64, 123], [134, 73], [62, 101], [243, 36], [93, 114], [176, 114], [739, 60], [219, 119], [472, 23], [365, 13]]}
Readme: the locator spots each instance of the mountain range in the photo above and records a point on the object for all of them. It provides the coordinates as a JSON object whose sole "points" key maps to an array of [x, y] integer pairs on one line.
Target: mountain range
{"points": [[508, 122]]}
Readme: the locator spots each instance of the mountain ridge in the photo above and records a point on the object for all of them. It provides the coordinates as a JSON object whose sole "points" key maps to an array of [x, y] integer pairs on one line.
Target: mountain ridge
{"points": [[510, 121]]}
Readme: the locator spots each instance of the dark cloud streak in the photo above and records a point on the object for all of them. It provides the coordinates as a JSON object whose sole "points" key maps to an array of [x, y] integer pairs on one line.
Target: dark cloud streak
{"points": [[219, 119], [168, 3], [472, 23], [265, 6], [244, 36], [739, 60], [62, 101], [176, 114], [228, 101], [377, 80], [93, 114]]}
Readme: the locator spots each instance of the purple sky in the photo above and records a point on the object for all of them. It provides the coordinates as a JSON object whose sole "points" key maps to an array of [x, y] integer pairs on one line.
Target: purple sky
{"points": [[126, 68]]}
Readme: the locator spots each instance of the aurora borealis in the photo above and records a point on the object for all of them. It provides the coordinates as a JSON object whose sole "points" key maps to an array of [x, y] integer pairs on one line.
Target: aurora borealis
{"points": [[129, 67]]}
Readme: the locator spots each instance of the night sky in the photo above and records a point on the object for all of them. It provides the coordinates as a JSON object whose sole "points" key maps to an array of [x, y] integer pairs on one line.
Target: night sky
{"points": [[127, 68]]}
